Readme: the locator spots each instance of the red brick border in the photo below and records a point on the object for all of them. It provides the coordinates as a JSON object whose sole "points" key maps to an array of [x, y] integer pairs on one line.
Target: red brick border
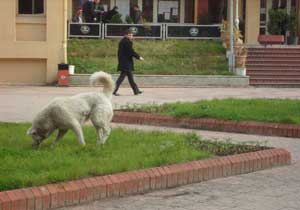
{"points": [[128, 183], [248, 127]]}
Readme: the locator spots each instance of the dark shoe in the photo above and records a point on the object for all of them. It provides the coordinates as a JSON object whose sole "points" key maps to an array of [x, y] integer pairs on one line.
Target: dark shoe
{"points": [[116, 94], [138, 92]]}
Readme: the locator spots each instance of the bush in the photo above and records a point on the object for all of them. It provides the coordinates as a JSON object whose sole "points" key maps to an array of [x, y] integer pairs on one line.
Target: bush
{"points": [[129, 19], [278, 23], [292, 23], [116, 19]]}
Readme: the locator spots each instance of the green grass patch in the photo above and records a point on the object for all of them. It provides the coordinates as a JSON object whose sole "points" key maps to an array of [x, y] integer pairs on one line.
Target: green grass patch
{"points": [[260, 110], [125, 150], [23, 166], [171, 57]]}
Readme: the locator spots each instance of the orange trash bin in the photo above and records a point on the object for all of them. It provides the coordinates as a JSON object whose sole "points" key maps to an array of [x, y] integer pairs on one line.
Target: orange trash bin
{"points": [[63, 75]]}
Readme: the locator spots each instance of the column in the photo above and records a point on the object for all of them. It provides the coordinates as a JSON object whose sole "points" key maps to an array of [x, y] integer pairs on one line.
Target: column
{"points": [[140, 3], [112, 4], [155, 9], [269, 6], [237, 14], [298, 18], [288, 6], [252, 21], [182, 11], [8, 27], [196, 12], [56, 42]]}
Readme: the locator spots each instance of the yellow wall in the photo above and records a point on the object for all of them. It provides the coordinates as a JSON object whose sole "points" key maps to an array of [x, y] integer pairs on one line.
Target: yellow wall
{"points": [[252, 21], [23, 71], [32, 46], [31, 29]]}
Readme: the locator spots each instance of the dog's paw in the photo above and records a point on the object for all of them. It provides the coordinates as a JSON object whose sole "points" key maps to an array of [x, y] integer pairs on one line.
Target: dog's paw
{"points": [[100, 143]]}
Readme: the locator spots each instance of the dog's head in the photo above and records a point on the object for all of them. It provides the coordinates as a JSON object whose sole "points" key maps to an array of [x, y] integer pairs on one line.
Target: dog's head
{"points": [[37, 135]]}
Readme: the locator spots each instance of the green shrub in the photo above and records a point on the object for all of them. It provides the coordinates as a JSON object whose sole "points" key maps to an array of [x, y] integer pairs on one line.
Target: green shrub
{"points": [[116, 19], [278, 23], [129, 19]]}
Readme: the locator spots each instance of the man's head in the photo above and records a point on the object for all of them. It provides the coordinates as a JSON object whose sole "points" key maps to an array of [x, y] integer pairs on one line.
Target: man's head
{"points": [[97, 1], [136, 7], [79, 12], [129, 34]]}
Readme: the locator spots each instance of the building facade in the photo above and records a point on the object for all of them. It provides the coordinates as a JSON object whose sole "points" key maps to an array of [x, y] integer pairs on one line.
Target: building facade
{"points": [[253, 14], [32, 39], [33, 35]]}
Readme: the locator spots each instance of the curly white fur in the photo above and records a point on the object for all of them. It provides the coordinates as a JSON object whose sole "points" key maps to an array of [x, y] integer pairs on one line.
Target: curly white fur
{"points": [[72, 112]]}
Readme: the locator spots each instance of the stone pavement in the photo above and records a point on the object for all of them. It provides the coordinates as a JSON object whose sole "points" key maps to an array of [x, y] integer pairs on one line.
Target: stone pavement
{"points": [[274, 189], [19, 104]]}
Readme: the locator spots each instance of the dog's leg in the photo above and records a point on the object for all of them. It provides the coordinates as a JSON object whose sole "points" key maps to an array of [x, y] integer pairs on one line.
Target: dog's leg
{"points": [[60, 135], [78, 131]]}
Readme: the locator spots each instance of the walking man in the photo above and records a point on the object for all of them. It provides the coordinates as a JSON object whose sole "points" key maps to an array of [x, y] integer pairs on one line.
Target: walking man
{"points": [[126, 54]]}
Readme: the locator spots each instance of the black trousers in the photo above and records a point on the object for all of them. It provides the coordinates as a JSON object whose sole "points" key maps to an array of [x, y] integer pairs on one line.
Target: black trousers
{"points": [[121, 78]]}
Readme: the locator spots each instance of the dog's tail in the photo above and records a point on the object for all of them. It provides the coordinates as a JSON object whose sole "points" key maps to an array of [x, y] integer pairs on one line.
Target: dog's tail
{"points": [[104, 79]]}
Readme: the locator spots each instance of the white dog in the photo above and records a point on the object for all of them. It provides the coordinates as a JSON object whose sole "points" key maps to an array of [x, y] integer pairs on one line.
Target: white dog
{"points": [[72, 112]]}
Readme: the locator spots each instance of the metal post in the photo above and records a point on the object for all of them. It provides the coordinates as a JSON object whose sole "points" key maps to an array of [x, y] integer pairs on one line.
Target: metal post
{"points": [[237, 21], [231, 54]]}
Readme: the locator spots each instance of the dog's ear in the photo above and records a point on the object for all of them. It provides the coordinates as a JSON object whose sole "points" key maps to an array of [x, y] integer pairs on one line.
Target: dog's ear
{"points": [[31, 131]]}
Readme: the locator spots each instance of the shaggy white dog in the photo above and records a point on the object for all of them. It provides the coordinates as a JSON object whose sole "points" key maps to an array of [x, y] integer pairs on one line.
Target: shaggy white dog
{"points": [[72, 112]]}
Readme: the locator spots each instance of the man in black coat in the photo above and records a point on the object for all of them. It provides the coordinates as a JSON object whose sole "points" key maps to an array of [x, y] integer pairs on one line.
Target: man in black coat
{"points": [[126, 54]]}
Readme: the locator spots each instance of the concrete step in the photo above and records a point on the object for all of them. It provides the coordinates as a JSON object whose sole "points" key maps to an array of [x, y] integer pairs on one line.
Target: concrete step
{"points": [[274, 74], [275, 61], [273, 68], [275, 84], [273, 65], [274, 80], [274, 50], [272, 53], [269, 57]]}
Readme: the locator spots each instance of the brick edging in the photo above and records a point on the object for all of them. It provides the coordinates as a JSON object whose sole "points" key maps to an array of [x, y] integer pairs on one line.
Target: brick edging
{"points": [[53, 196], [248, 127]]}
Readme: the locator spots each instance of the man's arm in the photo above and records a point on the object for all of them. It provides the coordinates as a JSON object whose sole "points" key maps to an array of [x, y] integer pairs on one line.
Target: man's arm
{"points": [[131, 51]]}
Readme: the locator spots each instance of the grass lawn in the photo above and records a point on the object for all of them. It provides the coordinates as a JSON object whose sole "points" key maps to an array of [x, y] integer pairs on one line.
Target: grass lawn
{"points": [[23, 166], [125, 150], [171, 57], [261, 110]]}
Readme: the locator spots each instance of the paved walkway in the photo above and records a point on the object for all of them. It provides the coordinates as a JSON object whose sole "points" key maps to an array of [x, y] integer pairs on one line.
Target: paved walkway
{"points": [[19, 104], [275, 189]]}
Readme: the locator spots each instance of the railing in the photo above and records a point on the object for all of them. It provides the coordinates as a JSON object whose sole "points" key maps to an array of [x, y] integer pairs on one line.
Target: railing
{"points": [[144, 31], [140, 31], [88, 30], [176, 31]]}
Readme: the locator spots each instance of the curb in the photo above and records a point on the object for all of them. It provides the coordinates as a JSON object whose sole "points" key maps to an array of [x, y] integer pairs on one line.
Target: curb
{"points": [[247, 127], [155, 81], [82, 191]]}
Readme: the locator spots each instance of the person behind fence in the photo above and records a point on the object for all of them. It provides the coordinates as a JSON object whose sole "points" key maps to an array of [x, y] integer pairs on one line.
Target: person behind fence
{"points": [[126, 54], [137, 15], [77, 17], [110, 14], [98, 11], [88, 11]]}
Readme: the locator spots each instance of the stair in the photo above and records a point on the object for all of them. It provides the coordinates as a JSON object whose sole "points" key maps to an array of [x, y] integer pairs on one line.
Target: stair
{"points": [[270, 66]]}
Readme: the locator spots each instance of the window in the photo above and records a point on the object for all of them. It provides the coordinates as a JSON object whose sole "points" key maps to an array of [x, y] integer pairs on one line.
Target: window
{"points": [[31, 7], [168, 11], [279, 4]]}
